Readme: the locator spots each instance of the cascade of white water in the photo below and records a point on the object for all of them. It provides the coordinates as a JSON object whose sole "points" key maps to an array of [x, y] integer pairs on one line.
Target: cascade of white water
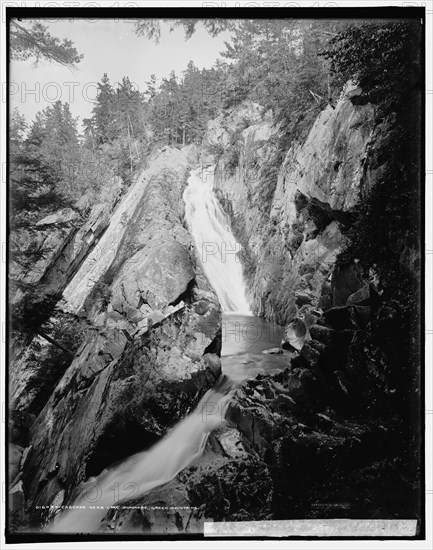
{"points": [[216, 246], [140, 473]]}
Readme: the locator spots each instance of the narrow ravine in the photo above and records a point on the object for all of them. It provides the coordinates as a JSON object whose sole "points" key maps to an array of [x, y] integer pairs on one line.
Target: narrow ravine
{"points": [[244, 339]]}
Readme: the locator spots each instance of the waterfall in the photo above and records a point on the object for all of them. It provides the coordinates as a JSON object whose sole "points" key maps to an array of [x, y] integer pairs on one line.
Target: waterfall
{"points": [[143, 471], [216, 246]]}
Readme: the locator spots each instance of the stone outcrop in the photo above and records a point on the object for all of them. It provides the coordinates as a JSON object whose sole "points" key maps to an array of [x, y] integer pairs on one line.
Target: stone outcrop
{"points": [[63, 240], [151, 347]]}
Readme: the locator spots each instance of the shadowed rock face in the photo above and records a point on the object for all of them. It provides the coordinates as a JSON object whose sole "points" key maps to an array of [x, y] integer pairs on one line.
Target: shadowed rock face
{"points": [[145, 360]]}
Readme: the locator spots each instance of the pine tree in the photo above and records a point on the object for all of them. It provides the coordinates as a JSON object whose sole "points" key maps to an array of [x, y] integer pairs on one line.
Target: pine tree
{"points": [[36, 42], [104, 112]]}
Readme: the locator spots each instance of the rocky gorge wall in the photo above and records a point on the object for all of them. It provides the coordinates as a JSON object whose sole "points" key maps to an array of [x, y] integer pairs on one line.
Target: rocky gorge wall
{"points": [[291, 222], [150, 348]]}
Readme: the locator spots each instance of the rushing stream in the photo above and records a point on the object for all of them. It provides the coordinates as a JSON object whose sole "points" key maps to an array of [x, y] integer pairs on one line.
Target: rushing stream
{"points": [[244, 339], [141, 472]]}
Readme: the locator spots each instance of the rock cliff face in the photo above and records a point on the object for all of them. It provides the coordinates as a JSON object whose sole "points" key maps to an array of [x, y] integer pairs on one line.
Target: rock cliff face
{"points": [[291, 223], [150, 348]]}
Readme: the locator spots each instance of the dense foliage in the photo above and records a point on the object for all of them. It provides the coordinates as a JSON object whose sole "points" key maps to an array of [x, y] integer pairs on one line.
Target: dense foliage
{"points": [[180, 107], [151, 28], [380, 56], [118, 129]]}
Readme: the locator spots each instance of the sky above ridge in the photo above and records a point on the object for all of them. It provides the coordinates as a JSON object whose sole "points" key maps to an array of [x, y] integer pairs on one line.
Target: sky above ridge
{"points": [[109, 46]]}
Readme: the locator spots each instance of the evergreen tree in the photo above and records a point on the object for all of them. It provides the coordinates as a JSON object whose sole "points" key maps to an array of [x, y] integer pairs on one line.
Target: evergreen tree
{"points": [[104, 112], [151, 28], [44, 164], [35, 41]]}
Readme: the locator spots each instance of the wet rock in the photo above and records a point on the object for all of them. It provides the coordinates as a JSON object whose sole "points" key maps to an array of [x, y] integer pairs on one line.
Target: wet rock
{"points": [[295, 335], [257, 423], [227, 483], [273, 351], [290, 249], [230, 442]]}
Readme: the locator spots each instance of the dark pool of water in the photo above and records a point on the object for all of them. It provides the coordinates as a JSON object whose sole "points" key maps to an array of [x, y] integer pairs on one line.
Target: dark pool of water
{"points": [[244, 338]]}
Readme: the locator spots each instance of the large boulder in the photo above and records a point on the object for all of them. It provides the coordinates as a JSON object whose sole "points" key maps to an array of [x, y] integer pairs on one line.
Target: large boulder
{"points": [[295, 335]]}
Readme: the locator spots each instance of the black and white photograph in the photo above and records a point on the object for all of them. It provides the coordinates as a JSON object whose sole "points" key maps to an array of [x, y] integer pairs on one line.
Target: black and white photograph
{"points": [[214, 292]]}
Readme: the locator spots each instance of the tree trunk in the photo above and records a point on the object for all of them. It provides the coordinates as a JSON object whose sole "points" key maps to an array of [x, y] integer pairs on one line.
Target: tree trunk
{"points": [[54, 342]]}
